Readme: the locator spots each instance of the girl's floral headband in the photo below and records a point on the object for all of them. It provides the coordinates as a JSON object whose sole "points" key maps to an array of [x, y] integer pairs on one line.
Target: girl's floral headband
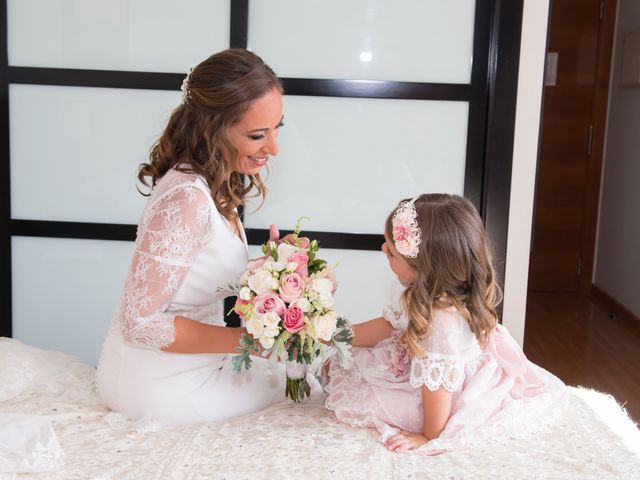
{"points": [[186, 92], [405, 229]]}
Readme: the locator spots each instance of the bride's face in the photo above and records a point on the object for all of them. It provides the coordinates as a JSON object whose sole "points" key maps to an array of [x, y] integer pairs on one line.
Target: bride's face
{"points": [[398, 264], [255, 135]]}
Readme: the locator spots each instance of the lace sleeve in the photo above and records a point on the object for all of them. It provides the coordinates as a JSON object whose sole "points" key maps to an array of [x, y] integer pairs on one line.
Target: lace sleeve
{"points": [[442, 365], [173, 229]]}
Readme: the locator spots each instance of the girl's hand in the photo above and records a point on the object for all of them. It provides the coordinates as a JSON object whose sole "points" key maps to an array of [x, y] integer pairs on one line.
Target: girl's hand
{"points": [[405, 441], [274, 236]]}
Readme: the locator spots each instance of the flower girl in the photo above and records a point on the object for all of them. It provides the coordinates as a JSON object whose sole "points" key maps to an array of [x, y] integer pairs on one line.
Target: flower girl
{"points": [[437, 371]]}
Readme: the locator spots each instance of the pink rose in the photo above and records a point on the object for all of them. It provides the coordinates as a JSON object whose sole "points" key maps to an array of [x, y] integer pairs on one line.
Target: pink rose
{"points": [[254, 265], [301, 259], [293, 319], [291, 287], [269, 303]]}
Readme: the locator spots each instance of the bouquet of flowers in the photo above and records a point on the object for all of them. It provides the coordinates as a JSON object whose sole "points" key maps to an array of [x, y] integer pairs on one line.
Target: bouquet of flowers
{"points": [[286, 301]]}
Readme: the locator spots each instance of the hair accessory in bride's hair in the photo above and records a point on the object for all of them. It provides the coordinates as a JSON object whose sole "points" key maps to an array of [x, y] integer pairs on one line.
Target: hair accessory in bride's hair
{"points": [[405, 229], [186, 92]]}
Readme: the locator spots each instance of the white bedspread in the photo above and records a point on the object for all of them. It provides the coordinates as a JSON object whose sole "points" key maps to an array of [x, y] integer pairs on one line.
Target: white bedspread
{"points": [[594, 439]]}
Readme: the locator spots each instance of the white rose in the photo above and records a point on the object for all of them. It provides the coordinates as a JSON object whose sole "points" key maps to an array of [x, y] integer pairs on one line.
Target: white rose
{"points": [[262, 282], [245, 293], [325, 325], [303, 304], [270, 319], [267, 342], [312, 295], [325, 299], [270, 331], [254, 326], [285, 251], [322, 285], [279, 266], [291, 266]]}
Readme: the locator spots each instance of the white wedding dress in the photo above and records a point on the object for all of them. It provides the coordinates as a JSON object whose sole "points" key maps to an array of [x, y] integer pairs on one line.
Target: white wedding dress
{"points": [[186, 256]]}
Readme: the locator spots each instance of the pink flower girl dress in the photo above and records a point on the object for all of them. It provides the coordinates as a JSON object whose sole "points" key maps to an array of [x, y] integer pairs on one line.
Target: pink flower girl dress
{"points": [[497, 393]]}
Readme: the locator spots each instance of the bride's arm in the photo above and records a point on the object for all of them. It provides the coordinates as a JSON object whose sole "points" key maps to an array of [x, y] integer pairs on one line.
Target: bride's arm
{"points": [[196, 337], [171, 234], [368, 334]]}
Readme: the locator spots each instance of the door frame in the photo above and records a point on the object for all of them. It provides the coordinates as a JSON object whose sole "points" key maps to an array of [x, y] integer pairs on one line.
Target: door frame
{"points": [[593, 177], [606, 40]]}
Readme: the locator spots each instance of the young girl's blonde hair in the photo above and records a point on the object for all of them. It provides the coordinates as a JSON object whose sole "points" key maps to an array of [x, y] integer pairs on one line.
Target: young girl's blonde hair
{"points": [[453, 268]]}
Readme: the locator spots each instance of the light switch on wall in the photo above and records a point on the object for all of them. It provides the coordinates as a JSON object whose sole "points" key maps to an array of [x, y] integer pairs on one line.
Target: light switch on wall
{"points": [[551, 69]]}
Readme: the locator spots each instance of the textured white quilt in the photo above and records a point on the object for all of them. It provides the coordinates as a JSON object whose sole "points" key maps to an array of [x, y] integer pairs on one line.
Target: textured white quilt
{"points": [[52, 422]]}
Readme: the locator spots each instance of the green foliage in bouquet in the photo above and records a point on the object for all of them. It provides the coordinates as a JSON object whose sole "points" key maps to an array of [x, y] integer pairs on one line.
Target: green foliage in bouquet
{"points": [[247, 346], [342, 340]]}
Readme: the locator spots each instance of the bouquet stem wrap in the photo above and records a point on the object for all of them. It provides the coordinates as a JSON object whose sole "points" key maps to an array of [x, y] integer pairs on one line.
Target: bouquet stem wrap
{"points": [[297, 387]]}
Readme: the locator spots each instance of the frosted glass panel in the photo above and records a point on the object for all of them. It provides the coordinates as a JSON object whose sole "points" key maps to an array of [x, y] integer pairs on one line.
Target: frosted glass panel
{"points": [[364, 279], [141, 35], [65, 291], [409, 40], [347, 162], [75, 151]]}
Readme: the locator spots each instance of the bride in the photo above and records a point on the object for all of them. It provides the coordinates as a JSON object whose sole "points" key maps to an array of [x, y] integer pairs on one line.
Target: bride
{"points": [[165, 354]]}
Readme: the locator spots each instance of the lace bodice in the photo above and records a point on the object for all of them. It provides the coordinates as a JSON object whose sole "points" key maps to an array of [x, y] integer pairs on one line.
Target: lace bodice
{"points": [[185, 257], [448, 345]]}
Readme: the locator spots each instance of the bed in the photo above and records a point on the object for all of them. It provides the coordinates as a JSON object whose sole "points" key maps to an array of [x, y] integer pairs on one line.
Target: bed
{"points": [[53, 426]]}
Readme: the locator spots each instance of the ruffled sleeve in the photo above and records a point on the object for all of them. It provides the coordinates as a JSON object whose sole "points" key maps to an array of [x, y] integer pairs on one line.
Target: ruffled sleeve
{"points": [[173, 230], [443, 363], [394, 312]]}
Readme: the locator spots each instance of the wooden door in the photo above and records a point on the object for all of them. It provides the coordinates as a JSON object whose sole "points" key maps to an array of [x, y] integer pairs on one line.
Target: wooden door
{"points": [[562, 203]]}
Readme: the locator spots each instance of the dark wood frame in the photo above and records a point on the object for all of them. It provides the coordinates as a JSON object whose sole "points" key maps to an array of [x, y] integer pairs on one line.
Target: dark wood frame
{"points": [[599, 121], [491, 95]]}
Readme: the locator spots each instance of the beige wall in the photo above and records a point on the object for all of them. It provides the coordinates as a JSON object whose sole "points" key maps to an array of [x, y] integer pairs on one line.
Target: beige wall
{"points": [[525, 152], [617, 264]]}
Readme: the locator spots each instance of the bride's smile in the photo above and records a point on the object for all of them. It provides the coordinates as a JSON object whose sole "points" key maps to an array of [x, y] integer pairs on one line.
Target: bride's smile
{"points": [[255, 135]]}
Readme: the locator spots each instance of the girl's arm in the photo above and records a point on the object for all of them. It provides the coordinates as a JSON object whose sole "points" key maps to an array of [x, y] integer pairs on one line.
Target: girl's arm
{"points": [[368, 334], [196, 337], [436, 408]]}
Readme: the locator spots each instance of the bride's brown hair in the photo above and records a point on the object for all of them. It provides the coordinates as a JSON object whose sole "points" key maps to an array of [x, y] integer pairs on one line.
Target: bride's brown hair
{"points": [[453, 268], [219, 91]]}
